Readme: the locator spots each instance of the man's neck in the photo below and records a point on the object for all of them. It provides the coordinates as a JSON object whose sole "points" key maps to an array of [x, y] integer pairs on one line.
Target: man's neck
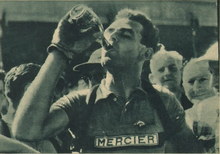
{"points": [[122, 83]]}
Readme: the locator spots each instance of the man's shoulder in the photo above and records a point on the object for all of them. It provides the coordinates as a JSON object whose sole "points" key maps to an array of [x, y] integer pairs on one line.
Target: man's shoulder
{"points": [[82, 92], [78, 94], [73, 97]]}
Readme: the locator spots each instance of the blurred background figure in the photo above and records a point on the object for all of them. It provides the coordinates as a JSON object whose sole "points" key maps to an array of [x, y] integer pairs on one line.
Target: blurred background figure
{"points": [[91, 71], [166, 71], [212, 56], [203, 116], [17, 81], [8, 145]]}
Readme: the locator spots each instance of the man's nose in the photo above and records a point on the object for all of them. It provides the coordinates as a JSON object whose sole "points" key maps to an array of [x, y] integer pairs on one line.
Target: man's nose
{"points": [[166, 71], [112, 37], [196, 86]]}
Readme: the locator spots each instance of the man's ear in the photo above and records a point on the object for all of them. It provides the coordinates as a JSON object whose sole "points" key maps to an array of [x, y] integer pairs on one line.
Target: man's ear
{"points": [[149, 53], [145, 53], [151, 78]]}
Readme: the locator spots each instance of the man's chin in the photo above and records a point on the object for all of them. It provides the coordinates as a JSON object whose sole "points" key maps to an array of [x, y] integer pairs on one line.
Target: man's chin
{"points": [[170, 87], [198, 99], [195, 101], [169, 82]]}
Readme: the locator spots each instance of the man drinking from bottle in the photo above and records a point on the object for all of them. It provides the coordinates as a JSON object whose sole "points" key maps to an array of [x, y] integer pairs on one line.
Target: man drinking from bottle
{"points": [[118, 115]]}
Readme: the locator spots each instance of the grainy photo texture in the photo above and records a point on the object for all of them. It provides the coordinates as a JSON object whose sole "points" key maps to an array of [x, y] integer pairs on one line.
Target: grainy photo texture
{"points": [[109, 76]]}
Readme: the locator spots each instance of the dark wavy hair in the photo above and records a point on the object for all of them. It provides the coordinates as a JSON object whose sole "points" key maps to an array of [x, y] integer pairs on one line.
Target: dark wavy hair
{"points": [[16, 80], [150, 33]]}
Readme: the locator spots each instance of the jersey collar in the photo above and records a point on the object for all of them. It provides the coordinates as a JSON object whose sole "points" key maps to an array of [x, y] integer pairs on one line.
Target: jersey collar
{"points": [[103, 92]]}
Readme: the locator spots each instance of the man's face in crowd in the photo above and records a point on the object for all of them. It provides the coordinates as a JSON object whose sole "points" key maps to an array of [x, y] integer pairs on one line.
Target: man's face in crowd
{"points": [[166, 72], [124, 35], [197, 83]]}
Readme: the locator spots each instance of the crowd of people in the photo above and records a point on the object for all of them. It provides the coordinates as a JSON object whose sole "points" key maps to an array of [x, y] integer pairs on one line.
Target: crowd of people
{"points": [[114, 108]]}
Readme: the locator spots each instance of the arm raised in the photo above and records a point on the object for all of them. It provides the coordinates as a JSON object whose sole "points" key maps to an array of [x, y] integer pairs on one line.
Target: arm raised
{"points": [[75, 33], [33, 117]]}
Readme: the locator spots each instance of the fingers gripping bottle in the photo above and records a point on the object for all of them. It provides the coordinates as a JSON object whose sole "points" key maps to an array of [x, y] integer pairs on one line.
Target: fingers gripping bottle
{"points": [[76, 31]]}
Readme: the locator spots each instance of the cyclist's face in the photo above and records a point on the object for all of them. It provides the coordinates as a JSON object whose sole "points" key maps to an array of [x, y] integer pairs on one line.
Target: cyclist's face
{"points": [[124, 35]]}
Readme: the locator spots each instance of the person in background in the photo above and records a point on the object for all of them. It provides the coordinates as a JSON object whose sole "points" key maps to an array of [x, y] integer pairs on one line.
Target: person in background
{"points": [[203, 117], [91, 71], [8, 145], [212, 56], [166, 71], [17, 81], [14, 88], [120, 110]]}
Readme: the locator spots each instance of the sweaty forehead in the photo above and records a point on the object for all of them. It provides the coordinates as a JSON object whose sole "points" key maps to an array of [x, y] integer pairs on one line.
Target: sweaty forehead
{"points": [[193, 71], [127, 24], [162, 61]]}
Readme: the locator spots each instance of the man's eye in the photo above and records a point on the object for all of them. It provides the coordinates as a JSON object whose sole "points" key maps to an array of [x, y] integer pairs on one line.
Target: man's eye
{"points": [[126, 34], [203, 79], [191, 82], [173, 68], [161, 69]]}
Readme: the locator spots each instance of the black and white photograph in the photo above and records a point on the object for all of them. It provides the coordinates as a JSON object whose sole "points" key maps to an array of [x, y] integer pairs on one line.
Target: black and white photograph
{"points": [[101, 76]]}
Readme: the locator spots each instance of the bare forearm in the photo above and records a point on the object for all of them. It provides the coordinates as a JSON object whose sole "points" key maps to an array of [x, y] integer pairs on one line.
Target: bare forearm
{"points": [[34, 106], [33, 119]]}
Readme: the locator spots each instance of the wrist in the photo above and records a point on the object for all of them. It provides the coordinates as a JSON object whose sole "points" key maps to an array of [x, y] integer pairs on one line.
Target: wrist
{"points": [[59, 57], [69, 54]]}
